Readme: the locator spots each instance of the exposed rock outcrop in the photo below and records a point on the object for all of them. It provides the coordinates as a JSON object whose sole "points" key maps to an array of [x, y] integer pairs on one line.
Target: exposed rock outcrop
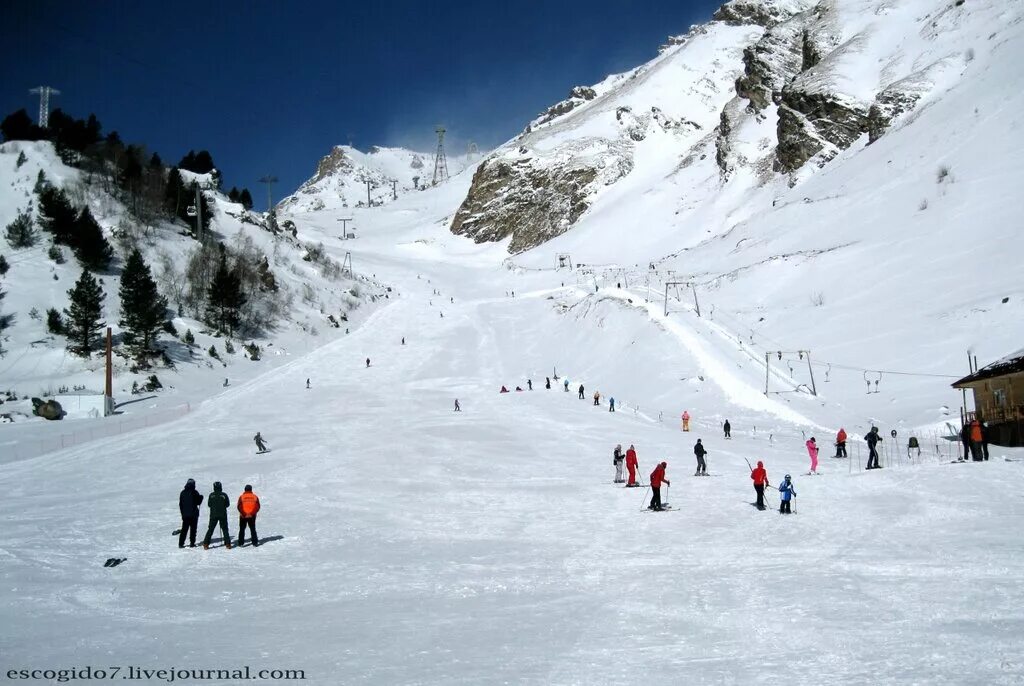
{"points": [[771, 63], [577, 96], [812, 124], [766, 13]]}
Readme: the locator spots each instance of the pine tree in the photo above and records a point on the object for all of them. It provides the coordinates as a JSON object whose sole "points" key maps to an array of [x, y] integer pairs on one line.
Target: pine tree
{"points": [[18, 126], [54, 322], [245, 198], [22, 159], [83, 317], [41, 182], [224, 298], [4, 266], [233, 194], [56, 215], [21, 233], [89, 244], [142, 307]]}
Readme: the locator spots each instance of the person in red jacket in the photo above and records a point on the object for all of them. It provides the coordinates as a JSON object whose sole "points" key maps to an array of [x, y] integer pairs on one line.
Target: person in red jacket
{"points": [[632, 465], [248, 506], [760, 476], [657, 478], [841, 443]]}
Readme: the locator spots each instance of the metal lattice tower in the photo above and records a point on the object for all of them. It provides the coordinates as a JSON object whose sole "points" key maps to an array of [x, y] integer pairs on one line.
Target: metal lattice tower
{"points": [[44, 93], [440, 162], [270, 181]]}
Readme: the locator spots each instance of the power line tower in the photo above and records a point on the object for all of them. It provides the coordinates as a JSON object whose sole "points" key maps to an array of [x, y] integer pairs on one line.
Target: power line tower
{"points": [[44, 93], [270, 181], [440, 161]]}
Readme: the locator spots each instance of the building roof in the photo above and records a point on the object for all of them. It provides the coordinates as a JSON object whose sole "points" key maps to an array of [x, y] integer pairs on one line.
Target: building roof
{"points": [[1014, 362]]}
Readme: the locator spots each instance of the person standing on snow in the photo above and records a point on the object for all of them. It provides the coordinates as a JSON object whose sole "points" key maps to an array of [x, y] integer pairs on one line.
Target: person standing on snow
{"points": [[786, 493], [547, 382], [597, 397], [977, 441], [841, 443], [611, 404], [529, 384], [189, 502], [760, 477], [218, 504], [367, 361], [458, 408], [307, 384], [657, 478], [261, 445], [873, 438], [727, 428], [700, 452], [686, 420], [812, 450], [581, 391], [248, 506], [617, 459], [566, 385], [632, 466]]}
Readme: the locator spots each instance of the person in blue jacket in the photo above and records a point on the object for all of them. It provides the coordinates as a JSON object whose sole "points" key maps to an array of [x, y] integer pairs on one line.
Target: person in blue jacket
{"points": [[786, 493]]}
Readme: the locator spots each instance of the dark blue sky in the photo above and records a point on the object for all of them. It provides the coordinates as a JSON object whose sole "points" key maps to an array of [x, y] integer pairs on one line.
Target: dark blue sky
{"points": [[269, 87]]}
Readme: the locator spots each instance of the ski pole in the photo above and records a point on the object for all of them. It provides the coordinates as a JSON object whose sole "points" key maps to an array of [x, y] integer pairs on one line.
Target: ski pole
{"points": [[645, 498]]}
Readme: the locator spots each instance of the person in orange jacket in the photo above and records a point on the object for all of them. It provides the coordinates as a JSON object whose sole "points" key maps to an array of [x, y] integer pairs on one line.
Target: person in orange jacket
{"points": [[657, 478], [760, 477], [248, 507], [686, 420], [632, 465], [977, 441], [841, 443]]}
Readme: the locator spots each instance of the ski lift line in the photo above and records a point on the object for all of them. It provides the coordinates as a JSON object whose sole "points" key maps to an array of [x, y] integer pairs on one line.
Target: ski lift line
{"points": [[885, 371]]}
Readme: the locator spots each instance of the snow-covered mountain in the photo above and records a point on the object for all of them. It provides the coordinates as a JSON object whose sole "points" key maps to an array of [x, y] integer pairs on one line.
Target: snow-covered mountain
{"points": [[347, 177]]}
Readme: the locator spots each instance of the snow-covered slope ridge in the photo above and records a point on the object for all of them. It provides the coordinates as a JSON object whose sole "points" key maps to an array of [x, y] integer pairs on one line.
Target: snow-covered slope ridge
{"points": [[343, 174], [778, 88]]}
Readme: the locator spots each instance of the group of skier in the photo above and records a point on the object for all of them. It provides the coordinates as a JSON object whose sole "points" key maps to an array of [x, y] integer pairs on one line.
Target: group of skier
{"points": [[217, 502]]}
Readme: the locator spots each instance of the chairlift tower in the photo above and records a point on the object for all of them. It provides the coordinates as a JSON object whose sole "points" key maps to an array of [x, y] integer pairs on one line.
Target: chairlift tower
{"points": [[270, 181], [44, 93], [440, 161]]}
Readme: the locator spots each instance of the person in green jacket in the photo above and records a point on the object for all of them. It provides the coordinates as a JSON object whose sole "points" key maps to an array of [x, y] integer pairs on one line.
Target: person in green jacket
{"points": [[218, 502]]}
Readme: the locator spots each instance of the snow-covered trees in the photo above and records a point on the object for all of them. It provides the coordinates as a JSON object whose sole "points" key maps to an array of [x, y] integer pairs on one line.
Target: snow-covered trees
{"points": [[21, 233], [224, 299]]}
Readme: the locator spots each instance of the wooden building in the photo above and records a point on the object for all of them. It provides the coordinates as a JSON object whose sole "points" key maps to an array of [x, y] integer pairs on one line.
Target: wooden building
{"points": [[999, 399]]}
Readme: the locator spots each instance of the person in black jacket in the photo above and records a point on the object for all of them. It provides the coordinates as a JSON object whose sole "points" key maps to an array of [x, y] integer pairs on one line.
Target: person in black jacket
{"points": [[873, 438], [218, 502], [727, 428], [702, 467], [189, 502], [581, 392]]}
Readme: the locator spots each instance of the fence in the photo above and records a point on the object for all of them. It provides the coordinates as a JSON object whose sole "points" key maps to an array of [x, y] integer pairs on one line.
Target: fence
{"points": [[101, 428]]}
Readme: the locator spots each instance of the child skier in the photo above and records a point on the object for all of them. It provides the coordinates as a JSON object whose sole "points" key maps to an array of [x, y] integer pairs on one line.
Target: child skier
{"points": [[657, 478], [686, 420], [700, 452], [597, 397], [812, 450], [786, 492]]}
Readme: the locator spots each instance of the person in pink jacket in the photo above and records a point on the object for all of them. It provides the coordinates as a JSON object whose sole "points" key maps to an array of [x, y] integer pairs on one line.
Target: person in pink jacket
{"points": [[812, 450], [686, 420]]}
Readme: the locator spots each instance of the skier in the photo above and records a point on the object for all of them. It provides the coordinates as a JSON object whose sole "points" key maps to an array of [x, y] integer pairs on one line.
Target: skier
{"points": [[218, 503], [307, 384], [617, 459], [812, 450], [611, 404], [547, 382], [728, 429], [913, 444], [786, 492], [225, 382], [261, 446], [597, 397], [248, 506], [566, 385], [657, 477], [700, 452], [581, 391], [503, 390], [872, 438], [686, 420], [403, 340], [841, 443], [529, 384], [458, 408], [189, 502], [632, 466], [760, 477]]}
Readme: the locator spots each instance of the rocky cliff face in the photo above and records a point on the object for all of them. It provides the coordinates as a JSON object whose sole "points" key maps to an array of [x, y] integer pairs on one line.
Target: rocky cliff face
{"points": [[775, 86]]}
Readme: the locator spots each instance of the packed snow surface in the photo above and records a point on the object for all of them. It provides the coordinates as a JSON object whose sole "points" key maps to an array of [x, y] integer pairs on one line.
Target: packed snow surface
{"points": [[405, 543]]}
